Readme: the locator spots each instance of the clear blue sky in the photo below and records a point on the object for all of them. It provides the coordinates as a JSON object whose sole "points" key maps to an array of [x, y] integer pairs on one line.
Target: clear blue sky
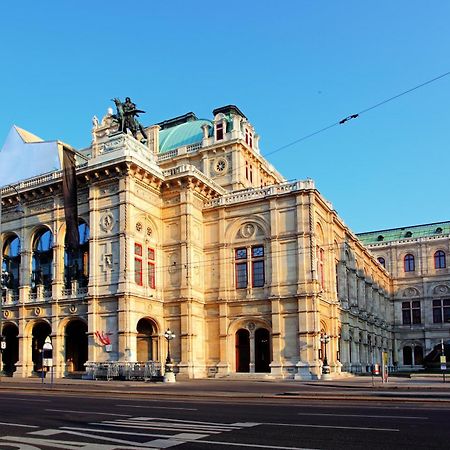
{"points": [[292, 67]]}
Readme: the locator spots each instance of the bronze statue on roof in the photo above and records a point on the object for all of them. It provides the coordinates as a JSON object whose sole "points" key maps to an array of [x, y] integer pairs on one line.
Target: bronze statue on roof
{"points": [[125, 116]]}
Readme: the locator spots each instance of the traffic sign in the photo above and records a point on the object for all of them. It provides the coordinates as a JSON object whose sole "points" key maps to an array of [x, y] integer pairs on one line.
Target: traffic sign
{"points": [[3, 345]]}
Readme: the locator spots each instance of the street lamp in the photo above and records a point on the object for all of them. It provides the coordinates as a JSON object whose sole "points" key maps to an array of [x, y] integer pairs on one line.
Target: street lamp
{"points": [[325, 368], [169, 376]]}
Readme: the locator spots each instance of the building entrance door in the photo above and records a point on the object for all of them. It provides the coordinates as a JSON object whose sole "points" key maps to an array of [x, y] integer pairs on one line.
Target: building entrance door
{"points": [[242, 351], [262, 350], [40, 331], [76, 346]]}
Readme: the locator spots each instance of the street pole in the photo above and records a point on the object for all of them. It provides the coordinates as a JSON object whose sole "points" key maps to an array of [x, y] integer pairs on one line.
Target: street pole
{"points": [[169, 376]]}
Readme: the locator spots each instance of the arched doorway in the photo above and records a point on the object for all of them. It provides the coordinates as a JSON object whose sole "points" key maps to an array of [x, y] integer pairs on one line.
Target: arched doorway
{"points": [[242, 351], [10, 355], [76, 346], [40, 331], [407, 356], [146, 341], [262, 350]]}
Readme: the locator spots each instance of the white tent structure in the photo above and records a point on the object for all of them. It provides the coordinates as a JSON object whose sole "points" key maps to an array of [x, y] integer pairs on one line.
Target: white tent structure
{"points": [[25, 155]]}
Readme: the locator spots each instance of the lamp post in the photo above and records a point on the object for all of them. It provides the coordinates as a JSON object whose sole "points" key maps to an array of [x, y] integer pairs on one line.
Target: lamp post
{"points": [[325, 368], [169, 376]]}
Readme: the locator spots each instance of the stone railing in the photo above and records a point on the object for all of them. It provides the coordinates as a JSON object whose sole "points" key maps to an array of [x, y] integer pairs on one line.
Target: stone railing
{"points": [[254, 194], [189, 169]]}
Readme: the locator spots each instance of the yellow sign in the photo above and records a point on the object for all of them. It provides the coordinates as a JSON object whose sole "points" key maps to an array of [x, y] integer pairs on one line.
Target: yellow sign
{"points": [[443, 359]]}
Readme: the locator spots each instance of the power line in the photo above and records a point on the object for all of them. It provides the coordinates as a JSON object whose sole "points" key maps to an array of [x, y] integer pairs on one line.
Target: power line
{"points": [[355, 116]]}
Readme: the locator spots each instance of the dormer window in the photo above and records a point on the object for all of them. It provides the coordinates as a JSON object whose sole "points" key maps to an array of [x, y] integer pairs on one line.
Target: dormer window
{"points": [[219, 131], [438, 230], [408, 234], [248, 138], [380, 237]]}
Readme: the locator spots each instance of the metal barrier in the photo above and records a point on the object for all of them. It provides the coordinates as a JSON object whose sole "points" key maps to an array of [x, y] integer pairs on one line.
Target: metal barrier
{"points": [[110, 370]]}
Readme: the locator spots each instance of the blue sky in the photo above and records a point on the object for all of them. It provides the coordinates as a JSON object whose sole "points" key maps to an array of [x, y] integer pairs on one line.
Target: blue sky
{"points": [[293, 67]]}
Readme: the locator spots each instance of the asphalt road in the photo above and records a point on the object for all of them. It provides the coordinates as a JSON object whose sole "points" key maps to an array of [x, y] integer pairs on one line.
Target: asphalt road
{"points": [[53, 420]]}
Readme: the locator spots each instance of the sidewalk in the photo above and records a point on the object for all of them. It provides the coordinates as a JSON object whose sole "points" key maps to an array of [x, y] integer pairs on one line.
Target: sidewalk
{"points": [[353, 388]]}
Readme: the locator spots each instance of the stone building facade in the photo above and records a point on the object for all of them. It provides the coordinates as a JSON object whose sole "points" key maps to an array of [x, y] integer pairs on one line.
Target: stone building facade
{"points": [[194, 231], [416, 257]]}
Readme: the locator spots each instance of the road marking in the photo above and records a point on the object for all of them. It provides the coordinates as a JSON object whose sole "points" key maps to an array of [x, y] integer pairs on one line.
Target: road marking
{"points": [[156, 427], [88, 412], [157, 407], [18, 425], [328, 426], [362, 415], [17, 399], [172, 440]]}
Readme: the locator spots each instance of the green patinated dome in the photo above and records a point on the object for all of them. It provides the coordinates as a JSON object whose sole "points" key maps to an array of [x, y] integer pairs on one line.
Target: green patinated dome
{"points": [[180, 135]]}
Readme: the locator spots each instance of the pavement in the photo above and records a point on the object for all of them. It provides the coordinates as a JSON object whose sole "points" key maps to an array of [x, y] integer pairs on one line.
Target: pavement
{"points": [[415, 389]]}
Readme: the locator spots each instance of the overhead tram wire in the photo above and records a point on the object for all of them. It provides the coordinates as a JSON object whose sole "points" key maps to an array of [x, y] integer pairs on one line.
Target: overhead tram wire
{"points": [[355, 116]]}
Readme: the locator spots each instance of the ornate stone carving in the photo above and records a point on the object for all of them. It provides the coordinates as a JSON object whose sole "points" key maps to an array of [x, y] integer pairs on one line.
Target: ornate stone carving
{"points": [[411, 292], [107, 221], [247, 230], [73, 309], [37, 311], [139, 226], [441, 289]]}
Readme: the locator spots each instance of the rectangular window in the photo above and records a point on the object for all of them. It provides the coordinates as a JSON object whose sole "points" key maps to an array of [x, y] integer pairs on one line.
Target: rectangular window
{"points": [[241, 275], [441, 311], [138, 264], [411, 313], [138, 271], [219, 131], [151, 275], [437, 311], [252, 258]]}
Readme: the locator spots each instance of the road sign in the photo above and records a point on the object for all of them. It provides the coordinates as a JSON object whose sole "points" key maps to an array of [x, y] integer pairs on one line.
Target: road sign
{"points": [[443, 359], [3, 345], [443, 366]]}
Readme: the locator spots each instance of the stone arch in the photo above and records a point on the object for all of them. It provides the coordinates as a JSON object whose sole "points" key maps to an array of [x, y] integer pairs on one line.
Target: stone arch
{"points": [[148, 230], [75, 344], [251, 343], [10, 355], [234, 230], [319, 234], [441, 289], [42, 259], [11, 261], [40, 329], [147, 340]]}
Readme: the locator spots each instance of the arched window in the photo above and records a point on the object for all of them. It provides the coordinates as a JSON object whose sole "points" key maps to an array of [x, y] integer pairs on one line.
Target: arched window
{"points": [[11, 263], [439, 260], [42, 260], [320, 266], [77, 267], [409, 263], [382, 261]]}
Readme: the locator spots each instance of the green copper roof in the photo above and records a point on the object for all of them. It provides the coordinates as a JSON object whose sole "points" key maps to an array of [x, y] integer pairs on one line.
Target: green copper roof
{"points": [[397, 234], [181, 135]]}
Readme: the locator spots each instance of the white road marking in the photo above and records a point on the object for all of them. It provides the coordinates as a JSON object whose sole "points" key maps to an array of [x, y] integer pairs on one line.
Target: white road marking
{"points": [[88, 412], [155, 427], [301, 425], [17, 399], [196, 422], [157, 407], [362, 415], [176, 439], [18, 425]]}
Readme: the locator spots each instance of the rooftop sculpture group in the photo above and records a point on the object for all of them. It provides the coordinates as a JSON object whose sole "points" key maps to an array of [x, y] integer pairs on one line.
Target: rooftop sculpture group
{"points": [[126, 118]]}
